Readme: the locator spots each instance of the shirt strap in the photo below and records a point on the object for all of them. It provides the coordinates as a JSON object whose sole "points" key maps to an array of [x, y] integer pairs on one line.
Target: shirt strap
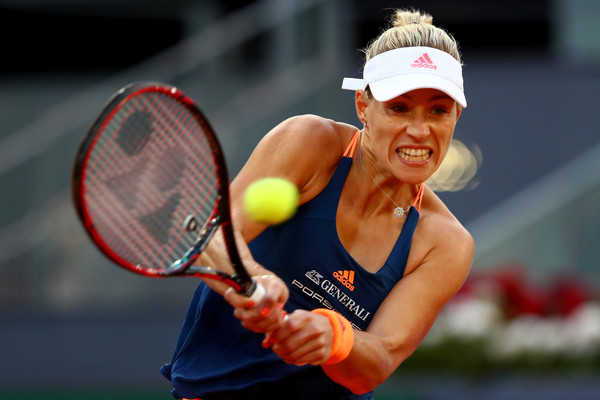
{"points": [[419, 197], [352, 146]]}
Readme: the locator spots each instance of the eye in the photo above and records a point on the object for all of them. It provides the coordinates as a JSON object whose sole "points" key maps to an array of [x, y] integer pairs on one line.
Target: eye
{"points": [[399, 108], [440, 110]]}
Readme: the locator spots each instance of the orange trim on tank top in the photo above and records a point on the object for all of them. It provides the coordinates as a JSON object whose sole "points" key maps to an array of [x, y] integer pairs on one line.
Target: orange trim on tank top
{"points": [[352, 146]]}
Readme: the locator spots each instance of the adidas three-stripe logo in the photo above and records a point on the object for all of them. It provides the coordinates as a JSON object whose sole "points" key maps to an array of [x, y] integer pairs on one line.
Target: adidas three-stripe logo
{"points": [[346, 278], [423, 62]]}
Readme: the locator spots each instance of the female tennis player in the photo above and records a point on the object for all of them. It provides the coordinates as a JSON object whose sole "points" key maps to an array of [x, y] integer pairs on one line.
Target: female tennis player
{"points": [[371, 255]]}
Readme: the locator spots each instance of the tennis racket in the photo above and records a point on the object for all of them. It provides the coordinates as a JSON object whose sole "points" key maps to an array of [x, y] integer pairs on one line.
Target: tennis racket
{"points": [[151, 188]]}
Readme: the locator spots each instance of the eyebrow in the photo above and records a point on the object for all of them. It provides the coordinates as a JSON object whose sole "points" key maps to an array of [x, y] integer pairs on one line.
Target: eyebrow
{"points": [[442, 96]]}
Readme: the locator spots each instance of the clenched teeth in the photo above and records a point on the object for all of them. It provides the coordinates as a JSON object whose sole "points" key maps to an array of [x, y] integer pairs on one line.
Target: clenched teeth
{"points": [[410, 154]]}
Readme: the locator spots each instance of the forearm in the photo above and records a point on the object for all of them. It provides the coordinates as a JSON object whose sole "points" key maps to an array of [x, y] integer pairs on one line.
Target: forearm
{"points": [[311, 338], [370, 362]]}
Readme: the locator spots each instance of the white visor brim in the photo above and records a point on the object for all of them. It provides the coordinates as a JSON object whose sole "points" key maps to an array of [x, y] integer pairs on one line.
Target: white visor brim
{"points": [[395, 72]]}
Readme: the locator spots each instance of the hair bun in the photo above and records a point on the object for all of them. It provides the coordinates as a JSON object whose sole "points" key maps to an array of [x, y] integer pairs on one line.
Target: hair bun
{"points": [[407, 17], [412, 28]]}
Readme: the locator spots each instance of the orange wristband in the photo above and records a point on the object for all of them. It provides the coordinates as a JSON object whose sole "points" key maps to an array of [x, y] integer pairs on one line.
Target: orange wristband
{"points": [[343, 335]]}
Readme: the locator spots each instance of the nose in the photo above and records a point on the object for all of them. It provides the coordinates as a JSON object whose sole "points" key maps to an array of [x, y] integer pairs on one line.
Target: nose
{"points": [[418, 127]]}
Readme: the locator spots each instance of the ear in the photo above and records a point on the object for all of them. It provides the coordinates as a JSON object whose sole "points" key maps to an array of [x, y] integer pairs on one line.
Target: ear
{"points": [[361, 102], [458, 111]]}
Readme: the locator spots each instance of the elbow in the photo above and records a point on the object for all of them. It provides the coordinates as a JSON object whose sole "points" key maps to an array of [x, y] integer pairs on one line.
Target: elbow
{"points": [[363, 382], [364, 372], [360, 386], [361, 389]]}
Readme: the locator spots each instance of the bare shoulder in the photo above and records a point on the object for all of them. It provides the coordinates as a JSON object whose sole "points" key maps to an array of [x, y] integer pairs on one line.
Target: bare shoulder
{"points": [[446, 243], [445, 229], [304, 149], [311, 132]]}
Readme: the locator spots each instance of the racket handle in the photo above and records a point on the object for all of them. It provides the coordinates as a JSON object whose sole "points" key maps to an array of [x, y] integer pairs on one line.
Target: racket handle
{"points": [[258, 294]]}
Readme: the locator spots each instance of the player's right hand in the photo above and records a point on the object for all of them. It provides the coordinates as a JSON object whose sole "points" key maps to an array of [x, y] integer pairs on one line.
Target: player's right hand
{"points": [[265, 315]]}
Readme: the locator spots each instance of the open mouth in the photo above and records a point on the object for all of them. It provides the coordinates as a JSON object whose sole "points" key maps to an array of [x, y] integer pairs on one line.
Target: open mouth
{"points": [[414, 155]]}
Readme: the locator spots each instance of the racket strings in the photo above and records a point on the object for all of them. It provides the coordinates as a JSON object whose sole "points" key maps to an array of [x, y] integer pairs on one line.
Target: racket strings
{"points": [[130, 241], [150, 169], [174, 123], [199, 198], [152, 221]]}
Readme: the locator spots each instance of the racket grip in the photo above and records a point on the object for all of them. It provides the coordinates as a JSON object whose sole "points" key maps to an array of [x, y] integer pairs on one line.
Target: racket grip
{"points": [[259, 293]]}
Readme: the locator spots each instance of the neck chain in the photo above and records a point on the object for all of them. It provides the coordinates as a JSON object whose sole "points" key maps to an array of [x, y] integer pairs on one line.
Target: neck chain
{"points": [[398, 211]]}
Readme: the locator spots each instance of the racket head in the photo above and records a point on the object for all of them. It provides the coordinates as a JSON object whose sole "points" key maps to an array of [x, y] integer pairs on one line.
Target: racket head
{"points": [[149, 174]]}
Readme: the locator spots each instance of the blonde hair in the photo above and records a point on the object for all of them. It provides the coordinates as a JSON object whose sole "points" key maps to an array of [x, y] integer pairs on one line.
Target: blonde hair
{"points": [[412, 28]]}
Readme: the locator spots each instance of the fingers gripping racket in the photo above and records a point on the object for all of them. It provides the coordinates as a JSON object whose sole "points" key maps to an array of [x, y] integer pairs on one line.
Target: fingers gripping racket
{"points": [[150, 186]]}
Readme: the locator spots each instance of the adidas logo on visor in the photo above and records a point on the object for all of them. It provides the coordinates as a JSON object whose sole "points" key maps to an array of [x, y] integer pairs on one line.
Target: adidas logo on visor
{"points": [[423, 62]]}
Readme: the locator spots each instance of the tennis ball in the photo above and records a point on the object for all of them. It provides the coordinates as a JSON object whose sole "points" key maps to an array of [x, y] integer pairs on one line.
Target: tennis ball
{"points": [[271, 200]]}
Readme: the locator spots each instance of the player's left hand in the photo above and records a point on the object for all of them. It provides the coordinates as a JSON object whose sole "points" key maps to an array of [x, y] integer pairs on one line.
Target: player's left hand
{"points": [[304, 338]]}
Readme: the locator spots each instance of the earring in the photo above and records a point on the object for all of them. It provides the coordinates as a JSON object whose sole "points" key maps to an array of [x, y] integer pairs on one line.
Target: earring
{"points": [[364, 124]]}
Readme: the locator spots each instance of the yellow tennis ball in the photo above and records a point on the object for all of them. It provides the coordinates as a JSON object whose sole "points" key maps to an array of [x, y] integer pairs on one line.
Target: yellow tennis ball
{"points": [[271, 200]]}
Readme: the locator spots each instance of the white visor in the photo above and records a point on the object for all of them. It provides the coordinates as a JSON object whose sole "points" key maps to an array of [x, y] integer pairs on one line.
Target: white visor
{"points": [[395, 72]]}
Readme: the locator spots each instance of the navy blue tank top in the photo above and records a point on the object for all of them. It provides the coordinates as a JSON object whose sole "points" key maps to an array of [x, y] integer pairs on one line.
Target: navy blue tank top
{"points": [[215, 354]]}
